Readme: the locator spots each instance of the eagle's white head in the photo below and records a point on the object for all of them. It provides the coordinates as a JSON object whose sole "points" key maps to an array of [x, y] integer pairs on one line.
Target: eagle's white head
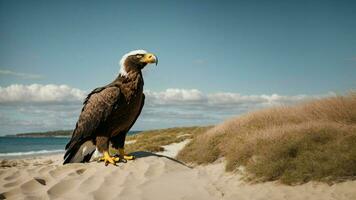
{"points": [[136, 60]]}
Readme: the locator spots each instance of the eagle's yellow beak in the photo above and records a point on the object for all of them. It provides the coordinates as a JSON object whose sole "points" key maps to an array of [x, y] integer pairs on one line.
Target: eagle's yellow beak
{"points": [[149, 58]]}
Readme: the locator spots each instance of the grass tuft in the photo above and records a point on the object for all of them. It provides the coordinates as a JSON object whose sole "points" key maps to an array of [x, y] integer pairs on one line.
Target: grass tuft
{"points": [[154, 140], [295, 144]]}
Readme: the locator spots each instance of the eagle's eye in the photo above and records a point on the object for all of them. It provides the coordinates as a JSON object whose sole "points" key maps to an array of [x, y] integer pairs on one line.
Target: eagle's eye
{"points": [[138, 56]]}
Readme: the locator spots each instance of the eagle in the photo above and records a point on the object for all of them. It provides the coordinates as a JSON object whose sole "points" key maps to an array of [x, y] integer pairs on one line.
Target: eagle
{"points": [[109, 112]]}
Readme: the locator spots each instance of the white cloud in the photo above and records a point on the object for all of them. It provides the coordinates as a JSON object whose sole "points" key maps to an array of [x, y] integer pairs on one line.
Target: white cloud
{"points": [[193, 96], [51, 107], [175, 96], [20, 75], [40, 93]]}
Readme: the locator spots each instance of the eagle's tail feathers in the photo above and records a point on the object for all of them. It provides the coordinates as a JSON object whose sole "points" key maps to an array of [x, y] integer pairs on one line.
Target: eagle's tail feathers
{"points": [[80, 153]]}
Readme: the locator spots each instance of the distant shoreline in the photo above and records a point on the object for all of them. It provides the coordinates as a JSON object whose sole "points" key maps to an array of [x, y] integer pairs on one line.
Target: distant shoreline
{"points": [[36, 136], [55, 134]]}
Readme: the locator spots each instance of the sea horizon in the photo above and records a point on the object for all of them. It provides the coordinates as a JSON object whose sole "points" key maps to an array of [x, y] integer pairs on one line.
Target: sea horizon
{"points": [[13, 146]]}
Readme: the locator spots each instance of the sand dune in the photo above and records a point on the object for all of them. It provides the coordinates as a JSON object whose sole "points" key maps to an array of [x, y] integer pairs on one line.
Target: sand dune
{"points": [[150, 176]]}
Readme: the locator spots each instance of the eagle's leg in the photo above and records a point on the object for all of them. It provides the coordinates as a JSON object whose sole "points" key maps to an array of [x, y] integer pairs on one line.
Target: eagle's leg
{"points": [[102, 144], [118, 143]]}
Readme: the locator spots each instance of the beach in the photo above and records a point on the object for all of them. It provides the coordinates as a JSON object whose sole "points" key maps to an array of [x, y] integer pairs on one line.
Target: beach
{"points": [[150, 176]]}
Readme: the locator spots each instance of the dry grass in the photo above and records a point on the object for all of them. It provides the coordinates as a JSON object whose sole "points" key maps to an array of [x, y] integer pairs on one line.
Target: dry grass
{"points": [[154, 140], [311, 141]]}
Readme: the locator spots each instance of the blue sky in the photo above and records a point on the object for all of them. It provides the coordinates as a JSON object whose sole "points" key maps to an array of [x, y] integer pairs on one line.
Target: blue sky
{"points": [[241, 49]]}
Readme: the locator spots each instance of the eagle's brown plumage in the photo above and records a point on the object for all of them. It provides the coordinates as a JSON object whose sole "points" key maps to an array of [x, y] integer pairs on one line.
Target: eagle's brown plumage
{"points": [[108, 113]]}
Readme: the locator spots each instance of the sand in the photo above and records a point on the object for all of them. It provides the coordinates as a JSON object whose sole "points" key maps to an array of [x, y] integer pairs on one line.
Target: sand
{"points": [[150, 176]]}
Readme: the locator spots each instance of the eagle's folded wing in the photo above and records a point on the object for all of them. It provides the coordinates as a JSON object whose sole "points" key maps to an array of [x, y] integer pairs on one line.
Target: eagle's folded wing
{"points": [[98, 106]]}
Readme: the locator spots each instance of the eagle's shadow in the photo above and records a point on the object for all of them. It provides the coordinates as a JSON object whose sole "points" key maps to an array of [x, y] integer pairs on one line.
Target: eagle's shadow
{"points": [[143, 154]]}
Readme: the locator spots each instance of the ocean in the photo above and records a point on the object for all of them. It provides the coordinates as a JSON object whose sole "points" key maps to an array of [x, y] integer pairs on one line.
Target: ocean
{"points": [[24, 146], [29, 146]]}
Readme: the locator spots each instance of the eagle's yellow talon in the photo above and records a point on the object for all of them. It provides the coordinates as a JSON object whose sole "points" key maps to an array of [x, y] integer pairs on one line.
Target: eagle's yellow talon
{"points": [[108, 159], [116, 159], [125, 156]]}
